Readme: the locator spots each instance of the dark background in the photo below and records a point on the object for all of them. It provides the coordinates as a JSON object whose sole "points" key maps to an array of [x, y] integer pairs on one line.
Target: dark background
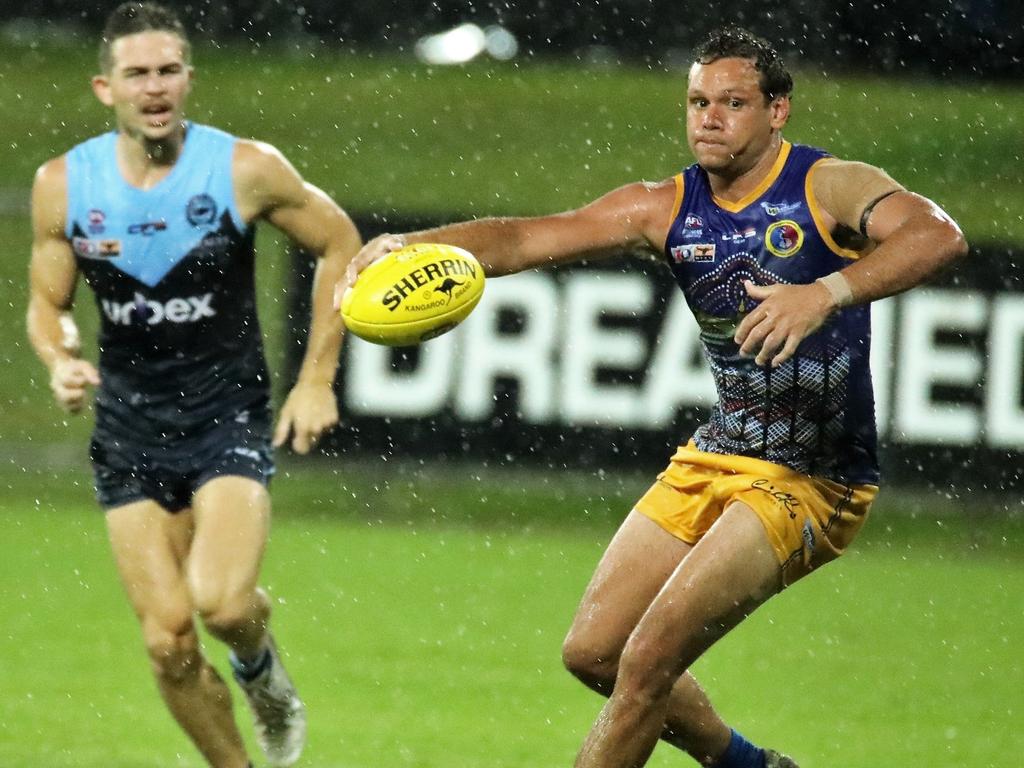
{"points": [[967, 38]]}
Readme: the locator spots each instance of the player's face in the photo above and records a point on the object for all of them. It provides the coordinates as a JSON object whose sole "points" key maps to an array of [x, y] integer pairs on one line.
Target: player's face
{"points": [[729, 126], [147, 85]]}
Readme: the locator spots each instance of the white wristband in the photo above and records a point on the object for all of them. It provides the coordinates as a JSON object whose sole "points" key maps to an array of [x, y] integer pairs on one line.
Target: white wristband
{"points": [[838, 287]]}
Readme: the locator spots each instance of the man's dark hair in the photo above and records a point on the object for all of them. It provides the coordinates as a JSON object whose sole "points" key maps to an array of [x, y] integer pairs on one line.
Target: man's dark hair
{"points": [[738, 43], [134, 17]]}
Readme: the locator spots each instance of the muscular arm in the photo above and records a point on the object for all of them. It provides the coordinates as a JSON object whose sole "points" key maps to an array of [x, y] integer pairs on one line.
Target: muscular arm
{"points": [[271, 189], [633, 217], [913, 238], [53, 276]]}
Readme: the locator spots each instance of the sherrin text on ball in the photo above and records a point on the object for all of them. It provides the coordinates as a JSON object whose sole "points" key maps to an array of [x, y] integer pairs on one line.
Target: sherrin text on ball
{"points": [[413, 294]]}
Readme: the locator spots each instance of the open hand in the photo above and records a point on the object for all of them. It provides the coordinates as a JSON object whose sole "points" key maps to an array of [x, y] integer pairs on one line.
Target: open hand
{"points": [[309, 411], [786, 315]]}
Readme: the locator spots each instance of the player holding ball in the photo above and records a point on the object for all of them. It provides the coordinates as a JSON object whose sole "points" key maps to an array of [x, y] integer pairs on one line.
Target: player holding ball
{"points": [[779, 249]]}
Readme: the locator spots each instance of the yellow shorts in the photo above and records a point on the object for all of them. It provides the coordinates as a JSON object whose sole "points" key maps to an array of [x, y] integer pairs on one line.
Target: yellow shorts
{"points": [[809, 520]]}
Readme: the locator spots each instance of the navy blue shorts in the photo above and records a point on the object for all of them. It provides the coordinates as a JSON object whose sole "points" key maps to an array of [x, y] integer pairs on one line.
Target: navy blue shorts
{"points": [[126, 472]]}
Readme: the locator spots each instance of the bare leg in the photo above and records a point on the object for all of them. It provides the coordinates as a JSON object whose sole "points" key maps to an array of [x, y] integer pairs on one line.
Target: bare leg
{"points": [[725, 577], [150, 546], [232, 522], [638, 562]]}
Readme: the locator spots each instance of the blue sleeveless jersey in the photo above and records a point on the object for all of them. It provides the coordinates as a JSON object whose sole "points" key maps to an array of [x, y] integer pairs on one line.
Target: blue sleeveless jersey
{"points": [[815, 412], [171, 269]]}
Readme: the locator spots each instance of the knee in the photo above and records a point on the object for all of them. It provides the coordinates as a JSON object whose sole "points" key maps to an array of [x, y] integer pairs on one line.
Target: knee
{"points": [[173, 649], [593, 663], [647, 669], [227, 614]]}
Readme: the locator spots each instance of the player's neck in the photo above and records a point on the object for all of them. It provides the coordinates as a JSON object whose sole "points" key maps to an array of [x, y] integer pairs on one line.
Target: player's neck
{"points": [[737, 185], [144, 161]]}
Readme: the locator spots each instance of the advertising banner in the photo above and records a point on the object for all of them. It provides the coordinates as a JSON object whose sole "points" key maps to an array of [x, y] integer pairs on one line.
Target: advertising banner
{"points": [[601, 366]]}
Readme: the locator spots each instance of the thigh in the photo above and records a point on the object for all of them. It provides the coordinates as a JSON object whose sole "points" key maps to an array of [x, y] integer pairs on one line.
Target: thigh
{"points": [[639, 560], [232, 521], [728, 574], [150, 547]]}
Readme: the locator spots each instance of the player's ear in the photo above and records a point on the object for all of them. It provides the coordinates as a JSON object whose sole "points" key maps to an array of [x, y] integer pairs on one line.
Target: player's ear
{"points": [[779, 111], [101, 87]]}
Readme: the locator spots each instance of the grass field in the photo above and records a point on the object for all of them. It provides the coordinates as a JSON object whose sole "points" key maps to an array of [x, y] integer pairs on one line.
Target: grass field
{"points": [[423, 610]]}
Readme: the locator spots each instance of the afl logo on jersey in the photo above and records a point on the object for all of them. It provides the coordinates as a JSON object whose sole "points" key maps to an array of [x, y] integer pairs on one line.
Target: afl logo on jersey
{"points": [[97, 221], [784, 238], [201, 209]]}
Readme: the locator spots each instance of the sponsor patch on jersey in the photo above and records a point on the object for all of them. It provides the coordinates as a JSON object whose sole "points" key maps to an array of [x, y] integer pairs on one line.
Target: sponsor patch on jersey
{"points": [[147, 228], [110, 248], [88, 248], [780, 209], [783, 238], [739, 237], [201, 209], [693, 253], [180, 309]]}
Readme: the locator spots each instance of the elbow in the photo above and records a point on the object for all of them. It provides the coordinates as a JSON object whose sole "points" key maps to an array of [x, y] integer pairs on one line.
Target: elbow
{"points": [[949, 240], [960, 246]]}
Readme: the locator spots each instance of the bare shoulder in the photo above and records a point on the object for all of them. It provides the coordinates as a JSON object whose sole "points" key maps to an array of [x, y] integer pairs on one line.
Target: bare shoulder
{"points": [[834, 170], [49, 196], [646, 200], [844, 188], [263, 178], [52, 175]]}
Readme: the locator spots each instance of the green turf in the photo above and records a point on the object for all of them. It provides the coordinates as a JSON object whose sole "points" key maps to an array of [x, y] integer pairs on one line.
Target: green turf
{"points": [[423, 610]]}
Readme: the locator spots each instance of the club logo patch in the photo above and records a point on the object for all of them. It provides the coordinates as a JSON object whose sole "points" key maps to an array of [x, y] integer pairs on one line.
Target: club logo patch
{"points": [[201, 209], [784, 238]]}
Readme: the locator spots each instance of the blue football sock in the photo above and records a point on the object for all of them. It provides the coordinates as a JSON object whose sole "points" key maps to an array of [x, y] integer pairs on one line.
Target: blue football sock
{"points": [[250, 669], [741, 754]]}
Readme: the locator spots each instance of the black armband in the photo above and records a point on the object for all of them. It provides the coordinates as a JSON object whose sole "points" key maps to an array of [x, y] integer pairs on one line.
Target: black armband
{"points": [[870, 207]]}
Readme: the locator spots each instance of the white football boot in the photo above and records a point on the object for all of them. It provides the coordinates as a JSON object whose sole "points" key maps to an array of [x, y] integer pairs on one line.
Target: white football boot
{"points": [[279, 716], [773, 759]]}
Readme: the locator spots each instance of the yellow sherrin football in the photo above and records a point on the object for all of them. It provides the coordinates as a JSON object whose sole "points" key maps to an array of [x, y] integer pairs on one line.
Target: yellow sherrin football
{"points": [[413, 294]]}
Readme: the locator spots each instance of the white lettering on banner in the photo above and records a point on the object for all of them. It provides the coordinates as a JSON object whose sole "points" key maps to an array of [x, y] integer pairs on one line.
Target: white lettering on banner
{"points": [[678, 375], [922, 362], [588, 298], [882, 345], [1004, 422], [372, 387], [554, 359], [527, 357]]}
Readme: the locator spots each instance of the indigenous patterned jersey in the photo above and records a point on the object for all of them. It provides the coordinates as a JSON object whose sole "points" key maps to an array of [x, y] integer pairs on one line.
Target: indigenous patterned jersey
{"points": [[172, 271], [815, 412]]}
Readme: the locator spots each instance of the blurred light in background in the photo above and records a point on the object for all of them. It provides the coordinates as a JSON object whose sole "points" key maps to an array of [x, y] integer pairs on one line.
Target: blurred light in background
{"points": [[465, 42]]}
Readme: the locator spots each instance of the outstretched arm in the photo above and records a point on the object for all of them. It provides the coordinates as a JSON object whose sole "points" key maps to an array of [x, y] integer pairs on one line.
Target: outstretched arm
{"points": [[633, 217], [53, 275], [275, 191], [913, 238]]}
